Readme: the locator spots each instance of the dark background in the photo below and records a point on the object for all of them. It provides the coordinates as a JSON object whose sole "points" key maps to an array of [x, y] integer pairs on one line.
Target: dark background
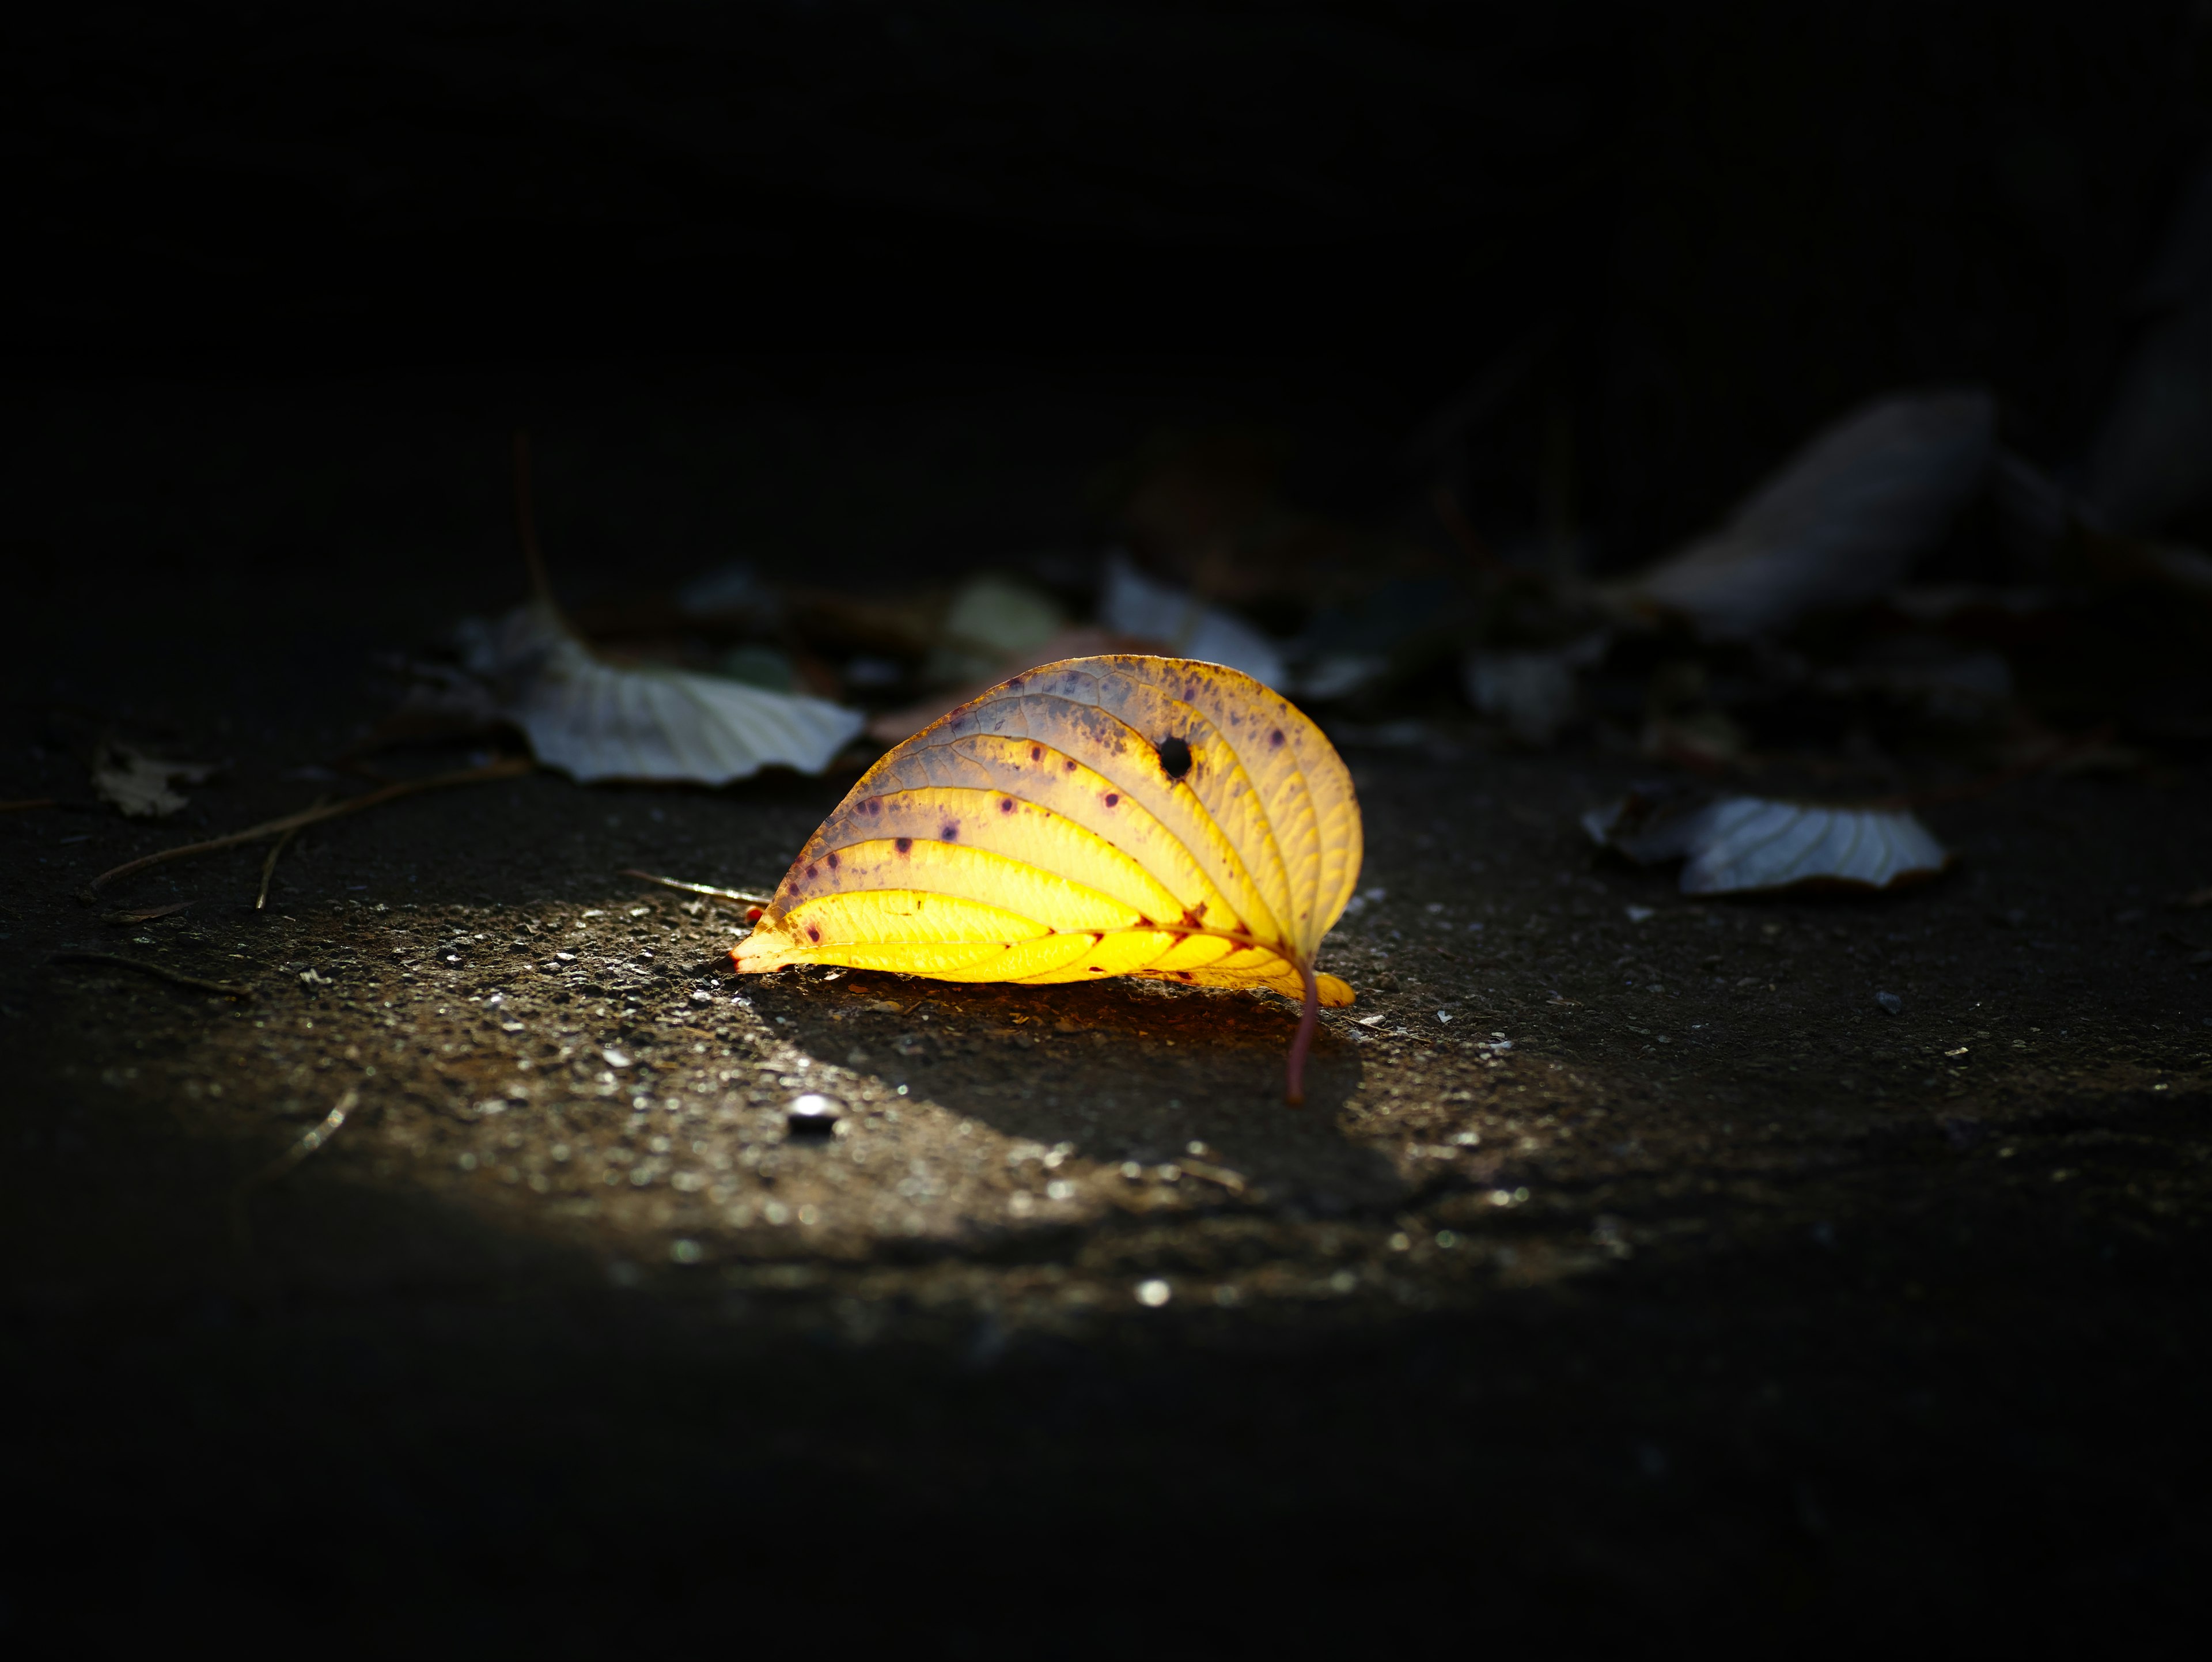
{"points": [[281, 279], [1723, 223]]}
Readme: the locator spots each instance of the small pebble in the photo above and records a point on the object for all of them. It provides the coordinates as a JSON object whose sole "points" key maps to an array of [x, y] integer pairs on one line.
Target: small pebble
{"points": [[812, 1114], [1890, 1002]]}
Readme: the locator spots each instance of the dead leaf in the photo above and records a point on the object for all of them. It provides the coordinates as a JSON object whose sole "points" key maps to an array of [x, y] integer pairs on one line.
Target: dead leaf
{"points": [[1118, 815], [1743, 844], [140, 784], [991, 620], [1534, 690], [1836, 527], [1183, 624], [594, 721], [1081, 642]]}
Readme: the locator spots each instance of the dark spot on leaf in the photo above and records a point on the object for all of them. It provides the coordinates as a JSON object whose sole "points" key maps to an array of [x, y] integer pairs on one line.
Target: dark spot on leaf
{"points": [[873, 805], [905, 845], [1071, 765], [1275, 739], [1112, 797], [1183, 975], [1095, 969], [1175, 758], [1005, 805], [833, 863], [813, 932], [949, 832], [1037, 752]]}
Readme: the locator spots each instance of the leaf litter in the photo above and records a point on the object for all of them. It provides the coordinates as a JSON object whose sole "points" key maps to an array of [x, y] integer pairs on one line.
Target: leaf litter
{"points": [[1750, 844], [596, 721], [142, 786]]}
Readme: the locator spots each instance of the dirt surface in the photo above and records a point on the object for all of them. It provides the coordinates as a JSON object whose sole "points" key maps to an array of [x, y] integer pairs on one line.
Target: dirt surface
{"points": [[1822, 1263]]}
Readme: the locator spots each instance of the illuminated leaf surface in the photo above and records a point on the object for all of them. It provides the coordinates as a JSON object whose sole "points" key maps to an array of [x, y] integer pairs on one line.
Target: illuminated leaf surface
{"points": [[1119, 815]]}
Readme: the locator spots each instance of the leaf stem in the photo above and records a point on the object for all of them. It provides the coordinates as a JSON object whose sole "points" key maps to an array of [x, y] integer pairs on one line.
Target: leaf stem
{"points": [[1294, 1079]]}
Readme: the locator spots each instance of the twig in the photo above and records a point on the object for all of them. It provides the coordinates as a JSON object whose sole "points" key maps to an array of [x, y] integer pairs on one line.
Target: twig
{"points": [[146, 914], [746, 896], [30, 802], [507, 769], [229, 989], [269, 865], [284, 1162]]}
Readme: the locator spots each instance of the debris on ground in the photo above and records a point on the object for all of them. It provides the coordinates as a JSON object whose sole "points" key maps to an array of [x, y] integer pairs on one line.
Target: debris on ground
{"points": [[142, 785], [1177, 621], [595, 721], [1839, 526], [1744, 844]]}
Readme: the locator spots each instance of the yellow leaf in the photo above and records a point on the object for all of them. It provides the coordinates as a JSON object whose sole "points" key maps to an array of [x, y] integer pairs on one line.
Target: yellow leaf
{"points": [[1105, 816]]}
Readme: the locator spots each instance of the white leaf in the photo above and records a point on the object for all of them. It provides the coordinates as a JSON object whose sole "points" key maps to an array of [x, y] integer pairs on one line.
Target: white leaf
{"points": [[594, 721], [1737, 844], [1185, 625], [140, 784]]}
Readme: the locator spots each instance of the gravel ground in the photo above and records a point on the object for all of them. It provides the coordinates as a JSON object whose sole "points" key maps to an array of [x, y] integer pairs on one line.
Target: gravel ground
{"points": [[1632, 1261]]}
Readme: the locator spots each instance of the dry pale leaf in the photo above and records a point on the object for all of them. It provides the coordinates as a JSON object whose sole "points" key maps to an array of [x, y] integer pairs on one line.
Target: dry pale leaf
{"points": [[1740, 844], [140, 784], [1535, 691], [594, 721], [1837, 526], [1134, 604], [1117, 815]]}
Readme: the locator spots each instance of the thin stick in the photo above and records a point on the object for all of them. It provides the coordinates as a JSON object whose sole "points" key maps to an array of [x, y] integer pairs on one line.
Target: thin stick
{"points": [[1294, 1083], [227, 988], [269, 865], [748, 897], [31, 802], [146, 914], [508, 768], [284, 1162]]}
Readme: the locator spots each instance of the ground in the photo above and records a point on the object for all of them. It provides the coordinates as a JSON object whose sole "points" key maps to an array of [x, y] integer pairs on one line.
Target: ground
{"points": [[1817, 1264]]}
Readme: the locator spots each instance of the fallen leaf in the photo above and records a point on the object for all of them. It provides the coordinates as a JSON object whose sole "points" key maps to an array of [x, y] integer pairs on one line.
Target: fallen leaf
{"points": [[1135, 604], [1533, 691], [140, 784], [594, 721], [1740, 844], [1082, 640], [992, 620], [2148, 463], [1836, 527], [1117, 815]]}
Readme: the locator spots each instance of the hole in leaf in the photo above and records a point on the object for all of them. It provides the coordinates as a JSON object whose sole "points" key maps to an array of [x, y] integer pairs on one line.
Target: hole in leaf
{"points": [[1175, 758]]}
